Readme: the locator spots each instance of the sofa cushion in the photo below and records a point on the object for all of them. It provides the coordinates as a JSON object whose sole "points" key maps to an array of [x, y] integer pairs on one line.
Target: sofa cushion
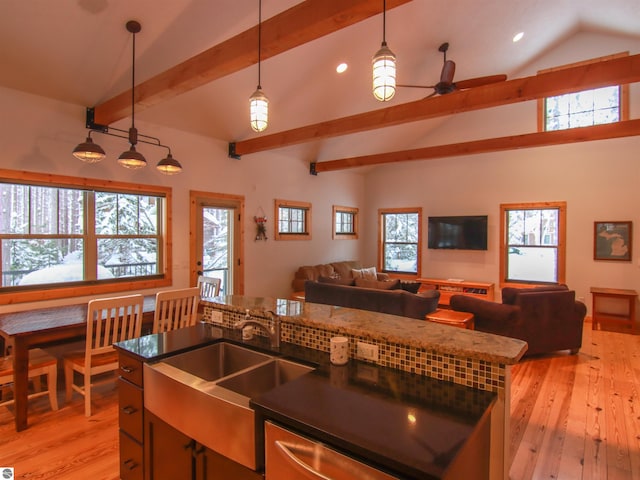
{"points": [[380, 284], [412, 287], [509, 294], [337, 280], [368, 273], [343, 269]]}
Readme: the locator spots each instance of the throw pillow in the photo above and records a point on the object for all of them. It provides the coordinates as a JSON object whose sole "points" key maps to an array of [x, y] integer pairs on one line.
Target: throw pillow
{"points": [[412, 287], [369, 273], [350, 282], [378, 284]]}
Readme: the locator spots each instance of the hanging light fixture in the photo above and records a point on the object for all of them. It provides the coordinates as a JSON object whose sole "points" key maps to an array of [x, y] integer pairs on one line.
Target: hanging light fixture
{"points": [[258, 102], [384, 66], [90, 152]]}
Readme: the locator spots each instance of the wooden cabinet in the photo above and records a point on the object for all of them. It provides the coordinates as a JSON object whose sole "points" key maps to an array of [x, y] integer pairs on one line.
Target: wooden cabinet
{"points": [[171, 455], [451, 287], [130, 418]]}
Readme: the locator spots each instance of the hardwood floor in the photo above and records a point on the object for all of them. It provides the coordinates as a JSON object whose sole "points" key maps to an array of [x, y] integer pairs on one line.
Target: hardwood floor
{"points": [[572, 417]]}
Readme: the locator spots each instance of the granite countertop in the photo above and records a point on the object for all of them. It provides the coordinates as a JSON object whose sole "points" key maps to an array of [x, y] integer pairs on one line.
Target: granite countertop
{"points": [[385, 328]]}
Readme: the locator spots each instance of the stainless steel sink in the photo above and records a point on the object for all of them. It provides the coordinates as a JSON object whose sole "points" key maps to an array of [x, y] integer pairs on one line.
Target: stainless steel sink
{"points": [[216, 361], [264, 378], [205, 394]]}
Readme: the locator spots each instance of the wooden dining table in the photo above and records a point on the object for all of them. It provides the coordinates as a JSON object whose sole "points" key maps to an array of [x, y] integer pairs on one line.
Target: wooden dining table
{"points": [[45, 327]]}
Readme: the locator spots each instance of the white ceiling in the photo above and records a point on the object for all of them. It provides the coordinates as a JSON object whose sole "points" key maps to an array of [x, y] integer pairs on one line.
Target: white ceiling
{"points": [[79, 51]]}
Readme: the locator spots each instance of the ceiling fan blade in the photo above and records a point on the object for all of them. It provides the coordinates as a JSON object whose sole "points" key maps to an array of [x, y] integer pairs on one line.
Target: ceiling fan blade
{"points": [[479, 81], [415, 86]]}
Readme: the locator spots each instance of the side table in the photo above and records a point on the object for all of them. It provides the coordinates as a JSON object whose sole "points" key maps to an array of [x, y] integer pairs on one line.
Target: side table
{"points": [[452, 317], [613, 306]]}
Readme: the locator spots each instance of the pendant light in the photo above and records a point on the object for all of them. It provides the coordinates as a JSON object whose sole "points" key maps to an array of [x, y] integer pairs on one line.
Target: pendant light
{"points": [[90, 152], [258, 102], [132, 159], [384, 67]]}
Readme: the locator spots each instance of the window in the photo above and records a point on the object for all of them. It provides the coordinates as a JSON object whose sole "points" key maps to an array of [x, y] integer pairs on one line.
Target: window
{"points": [[585, 108], [345, 222], [293, 220], [61, 234], [400, 234], [533, 246]]}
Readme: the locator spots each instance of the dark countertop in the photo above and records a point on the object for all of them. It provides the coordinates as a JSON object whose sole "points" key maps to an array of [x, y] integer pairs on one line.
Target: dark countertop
{"points": [[396, 421]]}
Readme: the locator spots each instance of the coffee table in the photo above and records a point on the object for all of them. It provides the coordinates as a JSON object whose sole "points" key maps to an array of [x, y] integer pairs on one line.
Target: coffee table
{"points": [[452, 317]]}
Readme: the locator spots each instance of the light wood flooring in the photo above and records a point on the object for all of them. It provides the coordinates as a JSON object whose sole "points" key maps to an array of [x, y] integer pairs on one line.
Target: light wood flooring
{"points": [[572, 417]]}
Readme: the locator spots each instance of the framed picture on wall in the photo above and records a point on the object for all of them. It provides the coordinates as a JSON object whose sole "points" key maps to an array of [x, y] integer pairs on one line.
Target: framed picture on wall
{"points": [[612, 241]]}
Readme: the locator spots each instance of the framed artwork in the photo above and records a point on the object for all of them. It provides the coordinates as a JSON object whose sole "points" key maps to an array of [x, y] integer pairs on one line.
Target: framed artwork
{"points": [[612, 241]]}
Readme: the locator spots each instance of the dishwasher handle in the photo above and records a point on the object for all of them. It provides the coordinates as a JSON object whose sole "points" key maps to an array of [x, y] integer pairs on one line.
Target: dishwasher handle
{"points": [[287, 448]]}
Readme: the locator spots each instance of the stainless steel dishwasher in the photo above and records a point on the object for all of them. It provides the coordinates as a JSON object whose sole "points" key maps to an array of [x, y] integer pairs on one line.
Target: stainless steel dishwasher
{"points": [[289, 455]]}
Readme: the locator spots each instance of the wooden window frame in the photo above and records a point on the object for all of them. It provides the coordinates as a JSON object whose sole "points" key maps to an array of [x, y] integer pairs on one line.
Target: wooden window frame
{"points": [[340, 235], [381, 242], [306, 235], [53, 291], [562, 240], [624, 90]]}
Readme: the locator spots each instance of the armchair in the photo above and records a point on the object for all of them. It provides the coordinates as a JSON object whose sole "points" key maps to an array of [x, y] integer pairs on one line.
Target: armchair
{"points": [[547, 318]]}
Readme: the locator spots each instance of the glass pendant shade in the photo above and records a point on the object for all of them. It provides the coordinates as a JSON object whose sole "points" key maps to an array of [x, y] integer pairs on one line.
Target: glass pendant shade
{"points": [[132, 159], [384, 74], [259, 110], [89, 152], [169, 165]]}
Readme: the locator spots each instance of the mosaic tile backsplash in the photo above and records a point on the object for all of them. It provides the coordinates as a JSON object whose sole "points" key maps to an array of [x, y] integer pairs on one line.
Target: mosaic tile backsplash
{"points": [[476, 373]]}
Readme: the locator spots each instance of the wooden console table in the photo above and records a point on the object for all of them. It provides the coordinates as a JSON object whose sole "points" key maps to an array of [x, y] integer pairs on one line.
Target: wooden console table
{"points": [[453, 287], [613, 306]]}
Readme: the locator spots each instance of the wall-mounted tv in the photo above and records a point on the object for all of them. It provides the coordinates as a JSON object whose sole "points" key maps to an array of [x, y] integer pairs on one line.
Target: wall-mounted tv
{"points": [[458, 232]]}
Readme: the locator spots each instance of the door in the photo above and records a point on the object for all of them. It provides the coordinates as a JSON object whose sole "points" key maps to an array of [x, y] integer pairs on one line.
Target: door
{"points": [[216, 244]]}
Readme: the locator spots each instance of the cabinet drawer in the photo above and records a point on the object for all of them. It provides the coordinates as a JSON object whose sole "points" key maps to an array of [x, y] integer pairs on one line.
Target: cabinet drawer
{"points": [[130, 398], [131, 458], [289, 455], [130, 369]]}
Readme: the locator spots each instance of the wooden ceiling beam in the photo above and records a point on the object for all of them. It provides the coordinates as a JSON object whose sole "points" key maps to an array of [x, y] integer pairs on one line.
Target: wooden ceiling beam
{"points": [[625, 128], [610, 72], [302, 23]]}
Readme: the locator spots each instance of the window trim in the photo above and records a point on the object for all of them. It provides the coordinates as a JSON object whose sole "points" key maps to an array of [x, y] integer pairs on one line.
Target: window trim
{"points": [[381, 213], [306, 206], [345, 236], [624, 90], [52, 291], [562, 240]]}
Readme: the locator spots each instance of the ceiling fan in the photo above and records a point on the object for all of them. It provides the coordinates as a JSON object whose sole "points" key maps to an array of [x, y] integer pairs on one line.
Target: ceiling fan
{"points": [[446, 83]]}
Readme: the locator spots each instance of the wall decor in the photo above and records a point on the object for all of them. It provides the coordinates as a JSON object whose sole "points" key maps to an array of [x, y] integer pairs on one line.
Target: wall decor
{"points": [[612, 241], [261, 227]]}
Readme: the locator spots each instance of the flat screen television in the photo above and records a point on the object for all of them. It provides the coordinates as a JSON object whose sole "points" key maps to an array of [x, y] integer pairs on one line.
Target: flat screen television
{"points": [[458, 232]]}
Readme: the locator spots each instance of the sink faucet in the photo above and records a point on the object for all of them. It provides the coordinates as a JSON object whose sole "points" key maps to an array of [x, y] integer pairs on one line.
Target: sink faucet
{"points": [[272, 332]]}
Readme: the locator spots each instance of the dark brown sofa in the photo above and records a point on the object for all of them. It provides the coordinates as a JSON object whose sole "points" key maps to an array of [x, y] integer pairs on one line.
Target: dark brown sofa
{"points": [[395, 302], [547, 318]]}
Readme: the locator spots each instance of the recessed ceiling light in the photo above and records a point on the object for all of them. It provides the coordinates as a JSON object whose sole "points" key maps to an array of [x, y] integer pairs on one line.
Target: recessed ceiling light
{"points": [[342, 68], [517, 37]]}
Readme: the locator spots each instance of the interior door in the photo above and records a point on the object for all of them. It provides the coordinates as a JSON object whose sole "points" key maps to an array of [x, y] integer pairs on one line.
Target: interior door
{"points": [[217, 239]]}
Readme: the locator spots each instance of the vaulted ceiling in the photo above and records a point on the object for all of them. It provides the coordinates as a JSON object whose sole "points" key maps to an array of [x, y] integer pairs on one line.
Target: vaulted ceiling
{"points": [[196, 63]]}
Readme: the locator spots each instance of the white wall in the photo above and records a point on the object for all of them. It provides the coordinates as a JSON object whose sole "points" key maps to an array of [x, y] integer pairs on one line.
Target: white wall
{"points": [[600, 181]]}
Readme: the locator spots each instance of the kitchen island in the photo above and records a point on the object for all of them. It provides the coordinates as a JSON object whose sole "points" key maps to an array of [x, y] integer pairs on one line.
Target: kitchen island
{"points": [[433, 396]]}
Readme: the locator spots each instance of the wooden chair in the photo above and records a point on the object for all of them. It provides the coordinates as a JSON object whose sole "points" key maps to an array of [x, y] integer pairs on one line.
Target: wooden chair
{"points": [[40, 363], [209, 286], [176, 309], [109, 320]]}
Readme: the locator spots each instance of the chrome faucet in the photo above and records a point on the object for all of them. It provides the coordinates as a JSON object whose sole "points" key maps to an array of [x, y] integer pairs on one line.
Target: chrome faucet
{"points": [[272, 332]]}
